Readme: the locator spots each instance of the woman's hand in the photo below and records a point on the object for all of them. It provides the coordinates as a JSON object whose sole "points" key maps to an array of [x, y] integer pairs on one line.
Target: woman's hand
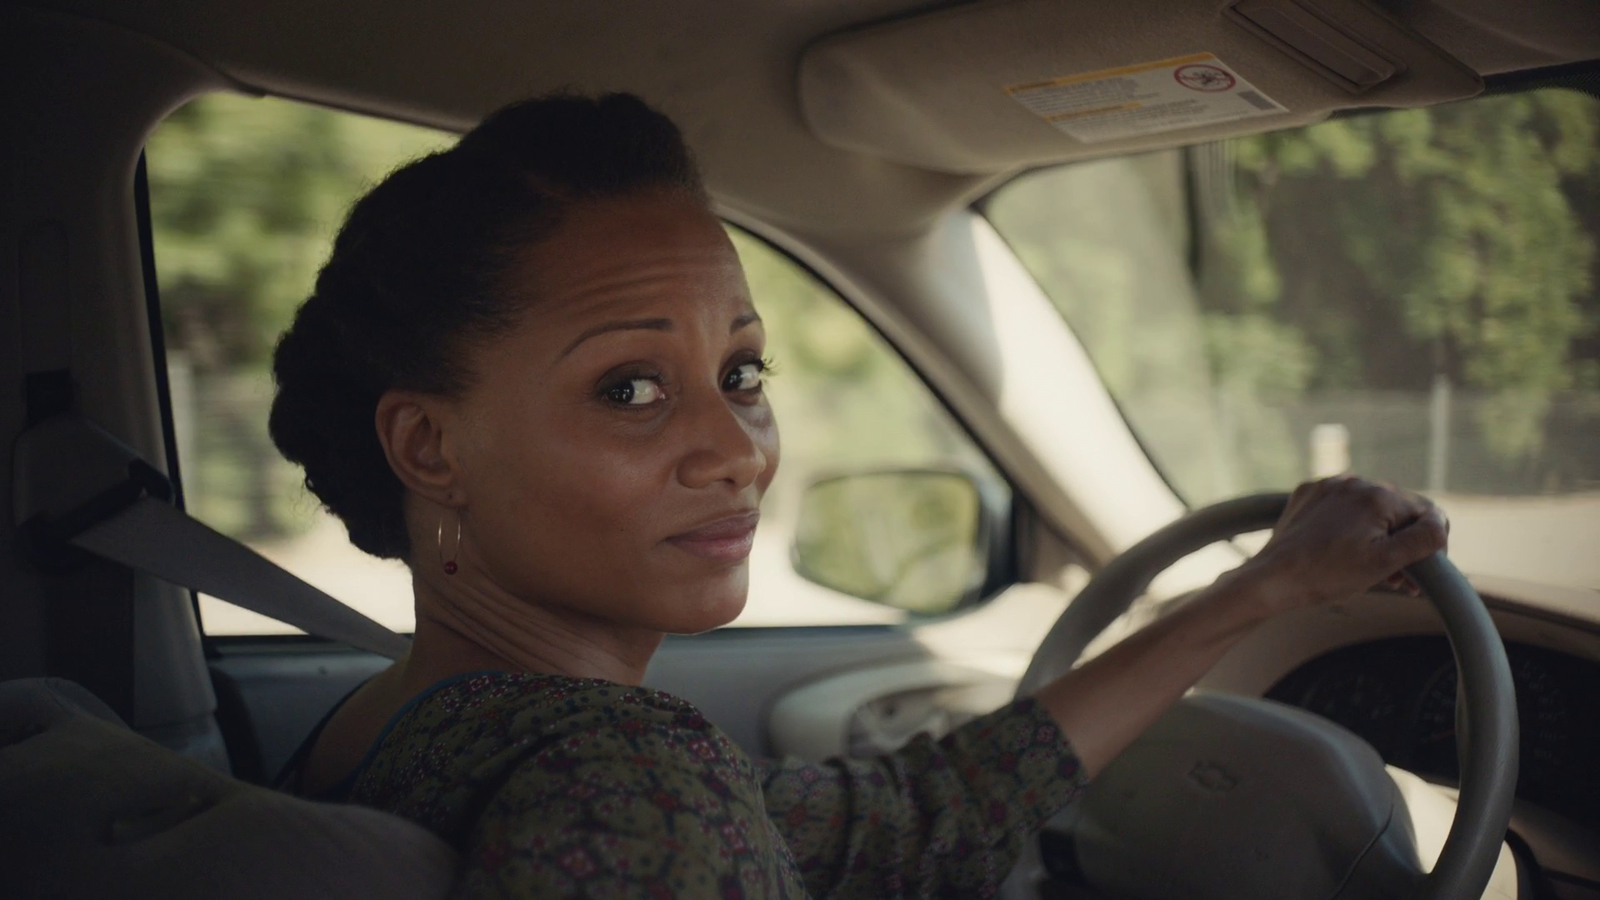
{"points": [[1341, 536]]}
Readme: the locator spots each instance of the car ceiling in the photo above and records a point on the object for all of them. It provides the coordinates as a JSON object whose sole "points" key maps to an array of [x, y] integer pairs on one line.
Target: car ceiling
{"points": [[727, 72]]}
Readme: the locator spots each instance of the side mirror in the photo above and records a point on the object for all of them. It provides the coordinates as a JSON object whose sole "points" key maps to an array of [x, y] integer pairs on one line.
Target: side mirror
{"points": [[915, 539]]}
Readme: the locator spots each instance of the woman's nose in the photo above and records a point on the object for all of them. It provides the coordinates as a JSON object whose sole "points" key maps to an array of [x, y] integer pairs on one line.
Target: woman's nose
{"points": [[721, 446]]}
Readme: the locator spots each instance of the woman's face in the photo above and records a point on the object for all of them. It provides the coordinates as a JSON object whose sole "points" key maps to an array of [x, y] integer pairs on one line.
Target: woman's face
{"points": [[616, 444]]}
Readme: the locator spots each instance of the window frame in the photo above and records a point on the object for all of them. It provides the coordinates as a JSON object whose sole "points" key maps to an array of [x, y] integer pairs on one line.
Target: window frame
{"points": [[1006, 550], [145, 231]]}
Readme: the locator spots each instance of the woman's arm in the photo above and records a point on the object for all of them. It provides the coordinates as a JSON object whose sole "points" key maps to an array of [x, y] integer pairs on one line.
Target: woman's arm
{"points": [[948, 817], [1109, 701], [1338, 537], [940, 818]]}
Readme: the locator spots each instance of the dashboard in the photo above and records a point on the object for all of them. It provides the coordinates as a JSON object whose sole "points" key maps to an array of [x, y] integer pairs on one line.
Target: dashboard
{"points": [[1399, 694]]}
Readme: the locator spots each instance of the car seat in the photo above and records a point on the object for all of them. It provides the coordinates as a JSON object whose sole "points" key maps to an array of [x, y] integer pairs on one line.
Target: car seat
{"points": [[93, 810]]}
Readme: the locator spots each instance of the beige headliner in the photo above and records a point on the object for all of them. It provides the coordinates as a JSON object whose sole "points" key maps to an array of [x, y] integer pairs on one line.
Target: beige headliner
{"points": [[725, 70]]}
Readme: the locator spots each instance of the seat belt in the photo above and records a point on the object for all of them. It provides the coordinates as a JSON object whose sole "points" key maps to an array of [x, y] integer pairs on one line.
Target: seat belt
{"points": [[77, 490]]}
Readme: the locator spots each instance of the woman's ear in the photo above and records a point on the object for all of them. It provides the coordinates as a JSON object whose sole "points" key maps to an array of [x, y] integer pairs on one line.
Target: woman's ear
{"points": [[411, 427]]}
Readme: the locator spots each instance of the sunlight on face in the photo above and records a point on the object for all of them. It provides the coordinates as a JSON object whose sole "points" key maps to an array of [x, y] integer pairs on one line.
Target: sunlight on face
{"points": [[617, 443]]}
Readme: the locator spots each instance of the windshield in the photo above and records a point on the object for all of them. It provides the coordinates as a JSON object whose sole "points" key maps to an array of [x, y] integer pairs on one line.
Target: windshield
{"points": [[1409, 294]]}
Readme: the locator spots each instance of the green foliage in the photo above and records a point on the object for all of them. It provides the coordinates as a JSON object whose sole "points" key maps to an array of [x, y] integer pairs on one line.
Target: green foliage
{"points": [[1464, 222], [1360, 258], [245, 197]]}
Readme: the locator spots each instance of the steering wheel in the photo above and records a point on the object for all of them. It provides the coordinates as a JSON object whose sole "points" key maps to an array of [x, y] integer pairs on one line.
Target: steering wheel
{"points": [[1222, 789]]}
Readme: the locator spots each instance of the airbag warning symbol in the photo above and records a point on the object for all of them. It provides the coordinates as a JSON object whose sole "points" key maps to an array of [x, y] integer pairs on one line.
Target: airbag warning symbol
{"points": [[1209, 79]]}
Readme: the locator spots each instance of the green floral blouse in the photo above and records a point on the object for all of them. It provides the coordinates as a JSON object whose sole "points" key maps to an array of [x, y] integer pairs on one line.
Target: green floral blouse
{"points": [[554, 787]]}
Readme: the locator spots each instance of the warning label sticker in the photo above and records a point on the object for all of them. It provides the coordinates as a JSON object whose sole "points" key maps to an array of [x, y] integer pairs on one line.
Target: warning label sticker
{"points": [[1144, 99]]}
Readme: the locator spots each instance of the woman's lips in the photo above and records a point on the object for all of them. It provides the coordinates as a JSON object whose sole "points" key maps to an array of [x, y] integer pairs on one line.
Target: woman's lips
{"points": [[726, 540]]}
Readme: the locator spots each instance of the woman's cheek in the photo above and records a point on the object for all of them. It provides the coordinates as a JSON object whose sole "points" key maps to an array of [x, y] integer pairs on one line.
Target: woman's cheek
{"points": [[766, 437]]}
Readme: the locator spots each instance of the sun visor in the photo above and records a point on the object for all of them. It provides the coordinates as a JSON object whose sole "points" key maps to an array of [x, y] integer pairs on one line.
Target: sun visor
{"points": [[990, 86]]}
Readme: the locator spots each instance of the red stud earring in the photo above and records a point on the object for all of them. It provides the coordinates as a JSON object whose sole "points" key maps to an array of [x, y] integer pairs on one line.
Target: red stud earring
{"points": [[450, 566]]}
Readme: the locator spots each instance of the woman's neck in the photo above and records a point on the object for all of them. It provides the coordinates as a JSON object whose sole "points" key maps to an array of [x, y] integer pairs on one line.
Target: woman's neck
{"points": [[464, 630]]}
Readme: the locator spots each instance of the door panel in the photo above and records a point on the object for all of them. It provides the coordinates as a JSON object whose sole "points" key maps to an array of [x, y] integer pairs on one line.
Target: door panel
{"points": [[284, 690]]}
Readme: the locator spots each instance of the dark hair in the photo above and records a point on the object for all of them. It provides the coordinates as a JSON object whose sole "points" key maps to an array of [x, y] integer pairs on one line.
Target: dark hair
{"points": [[415, 278]]}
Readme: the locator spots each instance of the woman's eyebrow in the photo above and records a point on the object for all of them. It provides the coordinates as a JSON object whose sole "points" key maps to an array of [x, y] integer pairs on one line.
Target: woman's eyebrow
{"points": [[742, 320], [630, 325]]}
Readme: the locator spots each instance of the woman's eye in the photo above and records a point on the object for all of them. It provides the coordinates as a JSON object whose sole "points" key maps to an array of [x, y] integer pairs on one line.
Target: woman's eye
{"points": [[635, 392], [744, 378]]}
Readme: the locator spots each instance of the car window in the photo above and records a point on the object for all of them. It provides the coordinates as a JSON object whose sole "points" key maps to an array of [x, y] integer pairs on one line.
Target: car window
{"points": [[1408, 294], [246, 196]]}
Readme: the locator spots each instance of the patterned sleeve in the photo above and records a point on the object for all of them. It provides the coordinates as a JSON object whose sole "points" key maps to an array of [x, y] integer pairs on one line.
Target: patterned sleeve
{"points": [[935, 819]]}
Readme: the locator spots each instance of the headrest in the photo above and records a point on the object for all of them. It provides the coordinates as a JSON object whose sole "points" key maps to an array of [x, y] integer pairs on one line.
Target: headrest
{"points": [[28, 706]]}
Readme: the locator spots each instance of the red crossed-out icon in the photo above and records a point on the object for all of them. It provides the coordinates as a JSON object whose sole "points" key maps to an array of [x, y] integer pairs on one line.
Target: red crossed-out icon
{"points": [[1201, 77]]}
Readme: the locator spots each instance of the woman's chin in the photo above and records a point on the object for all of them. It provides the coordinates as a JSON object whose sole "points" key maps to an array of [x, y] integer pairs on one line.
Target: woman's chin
{"points": [[714, 604]]}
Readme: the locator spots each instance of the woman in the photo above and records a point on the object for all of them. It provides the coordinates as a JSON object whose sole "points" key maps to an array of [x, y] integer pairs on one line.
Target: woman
{"points": [[531, 369]]}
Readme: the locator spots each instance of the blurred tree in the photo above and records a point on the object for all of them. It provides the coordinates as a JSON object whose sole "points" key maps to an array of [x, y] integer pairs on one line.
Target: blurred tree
{"points": [[1235, 294], [246, 195], [1377, 251]]}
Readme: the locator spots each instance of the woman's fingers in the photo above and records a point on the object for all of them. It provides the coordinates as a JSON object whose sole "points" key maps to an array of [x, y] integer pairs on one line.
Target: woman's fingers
{"points": [[1342, 535], [1402, 583], [1307, 494], [1416, 528], [1395, 508], [1419, 539]]}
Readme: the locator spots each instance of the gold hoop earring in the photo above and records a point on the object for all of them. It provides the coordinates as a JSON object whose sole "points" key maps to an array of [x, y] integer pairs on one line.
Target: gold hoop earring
{"points": [[449, 565]]}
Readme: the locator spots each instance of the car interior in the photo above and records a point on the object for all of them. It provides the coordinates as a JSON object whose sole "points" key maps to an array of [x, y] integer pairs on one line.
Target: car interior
{"points": [[1064, 295]]}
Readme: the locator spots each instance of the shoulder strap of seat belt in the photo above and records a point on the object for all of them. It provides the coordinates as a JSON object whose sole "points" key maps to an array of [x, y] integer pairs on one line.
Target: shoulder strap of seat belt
{"points": [[77, 489]]}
